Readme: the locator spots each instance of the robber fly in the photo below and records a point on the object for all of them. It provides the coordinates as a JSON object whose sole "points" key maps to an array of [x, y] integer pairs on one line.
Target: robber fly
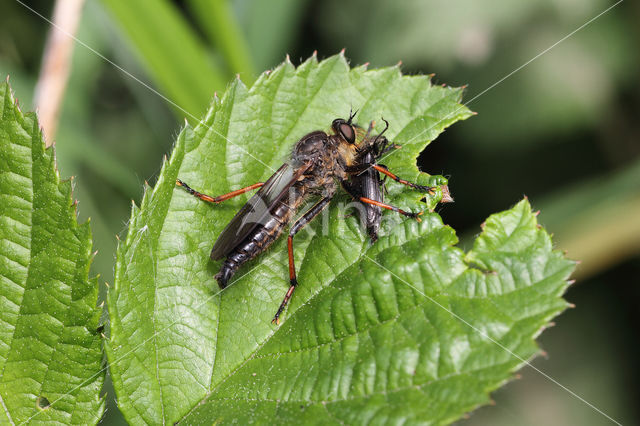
{"points": [[319, 161]]}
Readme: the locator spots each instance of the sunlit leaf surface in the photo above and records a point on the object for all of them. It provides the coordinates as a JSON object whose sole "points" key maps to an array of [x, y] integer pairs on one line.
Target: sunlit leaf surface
{"points": [[407, 329]]}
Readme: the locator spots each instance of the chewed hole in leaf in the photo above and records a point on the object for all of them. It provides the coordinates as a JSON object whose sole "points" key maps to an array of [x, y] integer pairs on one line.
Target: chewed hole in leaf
{"points": [[42, 403]]}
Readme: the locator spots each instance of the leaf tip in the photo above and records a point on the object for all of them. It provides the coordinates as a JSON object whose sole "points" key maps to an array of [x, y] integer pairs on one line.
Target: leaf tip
{"points": [[446, 195]]}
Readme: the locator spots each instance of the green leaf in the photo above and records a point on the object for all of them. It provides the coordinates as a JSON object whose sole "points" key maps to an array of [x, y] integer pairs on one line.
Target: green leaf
{"points": [[50, 349], [174, 56], [373, 332], [219, 23], [574, 215], [258, 19]]}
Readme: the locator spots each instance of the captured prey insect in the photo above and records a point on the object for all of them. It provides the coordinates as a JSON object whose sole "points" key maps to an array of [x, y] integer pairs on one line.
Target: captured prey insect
{"points": [[318, 163], [365, 184]]}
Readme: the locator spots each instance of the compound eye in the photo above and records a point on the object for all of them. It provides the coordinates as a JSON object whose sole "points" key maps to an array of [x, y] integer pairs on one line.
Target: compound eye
{"points": [[347, 132]]}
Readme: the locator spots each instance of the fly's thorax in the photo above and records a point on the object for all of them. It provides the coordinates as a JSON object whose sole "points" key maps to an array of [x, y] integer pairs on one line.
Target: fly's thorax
{"points": [[339, 154], [328, 155], [347, 154], [310, 147], [317, 180]]}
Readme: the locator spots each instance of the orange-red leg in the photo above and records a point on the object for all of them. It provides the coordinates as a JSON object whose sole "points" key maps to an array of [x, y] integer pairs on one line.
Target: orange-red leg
{"points": [[382, 169], [308, 217], [393, 208], [219, 198]]}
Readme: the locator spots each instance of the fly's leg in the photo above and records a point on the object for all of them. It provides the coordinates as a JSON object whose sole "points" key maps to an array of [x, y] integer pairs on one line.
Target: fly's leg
{"points": [[383, 169], [416, 216], [389, 148], [219, 198], [300, 223], [383, 184]]}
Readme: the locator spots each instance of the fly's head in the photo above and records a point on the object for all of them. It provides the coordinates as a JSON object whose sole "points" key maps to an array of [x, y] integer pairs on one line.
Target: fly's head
{"points": [[345, 140], [345, 130]]}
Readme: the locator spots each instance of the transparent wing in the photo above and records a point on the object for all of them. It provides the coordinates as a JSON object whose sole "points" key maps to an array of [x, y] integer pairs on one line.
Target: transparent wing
{"points": [[257, 210]]}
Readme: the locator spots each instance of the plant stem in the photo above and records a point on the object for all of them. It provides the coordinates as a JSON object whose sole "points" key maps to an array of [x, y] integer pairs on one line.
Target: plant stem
{"points": [[56, 61], [601, 238]]}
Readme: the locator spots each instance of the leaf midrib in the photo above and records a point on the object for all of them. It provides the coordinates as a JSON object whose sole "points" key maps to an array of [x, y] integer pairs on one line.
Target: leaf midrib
{"points": [[155, 330], [306, 106], [226, 178]]}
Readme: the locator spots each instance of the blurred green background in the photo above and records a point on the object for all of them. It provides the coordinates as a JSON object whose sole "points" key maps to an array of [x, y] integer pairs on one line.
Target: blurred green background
{"points": [[564, 130]]}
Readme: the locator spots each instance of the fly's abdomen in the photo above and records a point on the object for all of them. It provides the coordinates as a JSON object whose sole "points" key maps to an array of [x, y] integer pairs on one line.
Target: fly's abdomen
{"points": [[367, 184], [259, 239]]}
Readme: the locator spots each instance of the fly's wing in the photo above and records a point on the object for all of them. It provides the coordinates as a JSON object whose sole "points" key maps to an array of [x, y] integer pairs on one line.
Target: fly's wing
{"points": [[257, 210]]}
